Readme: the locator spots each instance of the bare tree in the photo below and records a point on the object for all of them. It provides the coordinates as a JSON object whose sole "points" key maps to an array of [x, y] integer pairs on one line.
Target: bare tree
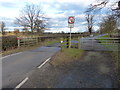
{"points": [[95, 7], [102, 4], [118, 8], [89, 19], [40, 25], [108, 24], [31, 17], [2, 27]]}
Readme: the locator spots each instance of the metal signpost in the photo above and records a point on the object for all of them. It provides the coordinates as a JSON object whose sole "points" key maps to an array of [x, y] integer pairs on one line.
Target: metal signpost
{"points": [[71, 21]]}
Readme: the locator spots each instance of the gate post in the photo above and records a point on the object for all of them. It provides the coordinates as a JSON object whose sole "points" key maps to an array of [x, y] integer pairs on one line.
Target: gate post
{"points": [[68, 42]]}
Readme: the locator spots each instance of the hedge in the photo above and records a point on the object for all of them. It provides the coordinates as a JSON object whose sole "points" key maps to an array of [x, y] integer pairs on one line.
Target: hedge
{"points": [[9, 42]]}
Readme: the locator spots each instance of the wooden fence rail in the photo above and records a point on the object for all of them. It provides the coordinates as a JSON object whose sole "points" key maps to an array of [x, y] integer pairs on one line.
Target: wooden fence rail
{"points": [[27, 41]]}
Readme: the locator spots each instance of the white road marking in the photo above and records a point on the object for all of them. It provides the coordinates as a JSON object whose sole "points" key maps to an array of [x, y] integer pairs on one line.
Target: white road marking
{"points": [[10, 55], [44, 62], [19, 85], [5, 57]]}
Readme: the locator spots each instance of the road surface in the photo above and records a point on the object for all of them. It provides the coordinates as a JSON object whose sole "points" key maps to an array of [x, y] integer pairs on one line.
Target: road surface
{"points": [[18, 66]]}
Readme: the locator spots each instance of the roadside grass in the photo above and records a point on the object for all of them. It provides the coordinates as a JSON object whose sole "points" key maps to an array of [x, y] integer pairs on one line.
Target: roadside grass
{"points": [[16, 50], [66, 56], [116, 58]]}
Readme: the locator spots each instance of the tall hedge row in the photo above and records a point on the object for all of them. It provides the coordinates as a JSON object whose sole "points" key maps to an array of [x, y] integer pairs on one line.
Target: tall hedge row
{"points": [[9, 42]]}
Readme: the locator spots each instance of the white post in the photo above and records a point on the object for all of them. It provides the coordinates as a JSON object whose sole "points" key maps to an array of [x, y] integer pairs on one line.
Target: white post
{"points": [[18, 41], [70, 38]]}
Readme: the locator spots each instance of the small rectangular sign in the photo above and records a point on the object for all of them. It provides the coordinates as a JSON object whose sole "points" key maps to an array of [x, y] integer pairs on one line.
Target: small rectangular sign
{"points": [[70, 25]]}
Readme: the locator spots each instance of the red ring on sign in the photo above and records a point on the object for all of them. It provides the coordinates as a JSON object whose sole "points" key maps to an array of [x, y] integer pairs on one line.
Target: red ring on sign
{"points": [[71, 20], [18, 38]]}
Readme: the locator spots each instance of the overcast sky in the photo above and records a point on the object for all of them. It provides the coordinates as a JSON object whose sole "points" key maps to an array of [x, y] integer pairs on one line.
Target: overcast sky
{"points": [[57, 10]]}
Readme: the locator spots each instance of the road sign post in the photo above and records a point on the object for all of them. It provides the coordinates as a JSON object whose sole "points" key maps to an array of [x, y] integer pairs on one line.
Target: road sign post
{"points": [[71, 21], [70, 38]]}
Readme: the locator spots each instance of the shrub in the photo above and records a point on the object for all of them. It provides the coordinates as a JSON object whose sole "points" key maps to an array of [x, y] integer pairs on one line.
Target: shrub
{"points": [[9, 42]]}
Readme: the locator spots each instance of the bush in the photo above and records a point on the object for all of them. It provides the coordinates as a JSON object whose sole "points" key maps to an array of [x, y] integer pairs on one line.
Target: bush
{"points": [[9, 42]]}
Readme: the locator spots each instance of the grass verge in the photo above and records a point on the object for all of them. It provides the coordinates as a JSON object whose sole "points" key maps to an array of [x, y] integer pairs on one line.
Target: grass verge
{"points": [[65, 56], [116, 58]]}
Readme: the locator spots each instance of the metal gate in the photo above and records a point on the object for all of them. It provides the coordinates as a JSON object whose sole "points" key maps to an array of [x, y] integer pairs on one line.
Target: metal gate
{"points": [[106, 44]]}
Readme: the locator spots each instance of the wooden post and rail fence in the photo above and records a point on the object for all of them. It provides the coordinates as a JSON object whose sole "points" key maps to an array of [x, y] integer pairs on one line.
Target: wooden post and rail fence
{"points": [[27, 41], [30, 41]]}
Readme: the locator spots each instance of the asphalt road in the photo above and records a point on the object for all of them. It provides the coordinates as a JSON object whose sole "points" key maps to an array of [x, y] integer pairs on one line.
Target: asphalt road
{"points": [[18, 66]]}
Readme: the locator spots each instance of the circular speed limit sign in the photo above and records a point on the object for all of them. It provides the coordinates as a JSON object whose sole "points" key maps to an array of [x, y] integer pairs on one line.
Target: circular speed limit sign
{"points": [[71, 20]]}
